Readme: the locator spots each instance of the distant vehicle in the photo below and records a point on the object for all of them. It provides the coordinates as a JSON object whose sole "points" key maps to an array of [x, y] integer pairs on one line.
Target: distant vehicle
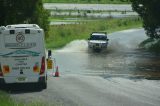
{"points": [[22, 55], [98, 41]]}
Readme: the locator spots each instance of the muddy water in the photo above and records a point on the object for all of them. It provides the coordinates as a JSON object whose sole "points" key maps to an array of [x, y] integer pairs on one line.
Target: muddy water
{"points": [[123, 58]]}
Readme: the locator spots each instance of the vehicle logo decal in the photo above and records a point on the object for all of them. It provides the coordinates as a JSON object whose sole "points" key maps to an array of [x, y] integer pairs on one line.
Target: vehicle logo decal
{"points": [[20, 38]]}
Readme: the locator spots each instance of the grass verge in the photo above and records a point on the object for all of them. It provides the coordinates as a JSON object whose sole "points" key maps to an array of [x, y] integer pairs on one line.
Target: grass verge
{"points": [[60, 35], [151, 44], [6, 100]]}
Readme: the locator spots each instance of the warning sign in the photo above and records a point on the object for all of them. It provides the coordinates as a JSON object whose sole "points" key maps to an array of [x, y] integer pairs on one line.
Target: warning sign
{"points": [[49, 64]]}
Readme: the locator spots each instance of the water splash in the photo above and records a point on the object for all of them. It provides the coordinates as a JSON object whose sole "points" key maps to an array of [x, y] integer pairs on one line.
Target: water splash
{"points": [[75, 46], [126, 40], [119, 41]]}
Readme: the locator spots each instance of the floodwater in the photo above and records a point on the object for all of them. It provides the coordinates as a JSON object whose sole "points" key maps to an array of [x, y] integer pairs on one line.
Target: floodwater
{"points": [[64, 6], [123, 58], [93, 15]]}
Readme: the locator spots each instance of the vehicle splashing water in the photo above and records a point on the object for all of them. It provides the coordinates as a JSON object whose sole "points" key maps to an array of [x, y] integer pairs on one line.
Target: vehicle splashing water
{"points": [[123, 58]]}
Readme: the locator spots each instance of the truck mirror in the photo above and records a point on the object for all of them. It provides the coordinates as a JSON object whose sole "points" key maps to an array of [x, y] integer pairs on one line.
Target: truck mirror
{"points": [[49, 53]]}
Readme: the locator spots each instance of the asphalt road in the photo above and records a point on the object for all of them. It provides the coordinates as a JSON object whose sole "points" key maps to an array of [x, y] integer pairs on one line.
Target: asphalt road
{"points": [[75, 90], [78, 88]]}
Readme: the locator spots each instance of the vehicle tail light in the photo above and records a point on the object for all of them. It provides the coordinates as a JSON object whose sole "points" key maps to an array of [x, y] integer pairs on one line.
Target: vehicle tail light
{"points": [[1, 73], [42, 66], [6, 69], [36, 68]]}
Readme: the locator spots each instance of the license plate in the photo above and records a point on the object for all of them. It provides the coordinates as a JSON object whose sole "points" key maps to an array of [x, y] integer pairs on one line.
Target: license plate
{"points": [[21, 79]]}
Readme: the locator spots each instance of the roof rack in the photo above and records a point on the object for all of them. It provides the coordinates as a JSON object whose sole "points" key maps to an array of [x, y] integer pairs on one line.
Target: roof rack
{"points": [[100, 32]]}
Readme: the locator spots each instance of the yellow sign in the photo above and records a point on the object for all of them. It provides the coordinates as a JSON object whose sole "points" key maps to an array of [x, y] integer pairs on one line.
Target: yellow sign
{"points": [[49, 64]]}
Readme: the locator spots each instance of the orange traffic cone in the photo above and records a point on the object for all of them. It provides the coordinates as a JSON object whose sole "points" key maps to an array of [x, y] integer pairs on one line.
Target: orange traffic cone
{"points": [[57, 72]]}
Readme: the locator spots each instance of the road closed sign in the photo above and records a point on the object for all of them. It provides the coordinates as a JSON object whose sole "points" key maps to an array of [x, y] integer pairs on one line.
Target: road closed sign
{"points": [[49, 64]]}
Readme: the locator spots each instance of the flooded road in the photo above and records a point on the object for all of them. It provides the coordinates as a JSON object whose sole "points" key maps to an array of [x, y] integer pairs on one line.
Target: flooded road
{"points": [[123, 58]]}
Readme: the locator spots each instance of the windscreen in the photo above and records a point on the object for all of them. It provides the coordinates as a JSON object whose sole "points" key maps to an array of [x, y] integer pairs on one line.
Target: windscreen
{"points": [[98, 37]]}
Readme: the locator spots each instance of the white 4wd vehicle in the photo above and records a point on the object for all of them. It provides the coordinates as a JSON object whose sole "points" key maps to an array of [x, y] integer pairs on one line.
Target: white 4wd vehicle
{"points": [[98, 41]]}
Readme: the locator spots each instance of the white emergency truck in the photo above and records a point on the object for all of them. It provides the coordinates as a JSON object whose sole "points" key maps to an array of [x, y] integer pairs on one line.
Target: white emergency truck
{"points": [[22, 55]]}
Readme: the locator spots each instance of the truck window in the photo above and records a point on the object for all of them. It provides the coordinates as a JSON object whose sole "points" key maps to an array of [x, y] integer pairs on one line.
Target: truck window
{"points": [[97, 37]]}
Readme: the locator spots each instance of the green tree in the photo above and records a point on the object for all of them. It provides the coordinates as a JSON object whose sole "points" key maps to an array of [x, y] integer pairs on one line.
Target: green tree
{"points": [[3, 9], [24, 11], [149, 11]]}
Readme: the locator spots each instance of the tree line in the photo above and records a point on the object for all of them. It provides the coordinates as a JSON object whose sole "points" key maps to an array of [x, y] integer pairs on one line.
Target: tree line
{"points": [[24, 11]]}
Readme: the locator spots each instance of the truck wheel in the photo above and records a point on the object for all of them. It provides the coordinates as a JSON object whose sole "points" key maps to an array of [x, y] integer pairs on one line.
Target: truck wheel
{"points": [[44, 85]]}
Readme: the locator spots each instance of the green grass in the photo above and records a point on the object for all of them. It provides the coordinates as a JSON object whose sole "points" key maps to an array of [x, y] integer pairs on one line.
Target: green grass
{"points": [[6, 100], [88, 1], [60, 35]]}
